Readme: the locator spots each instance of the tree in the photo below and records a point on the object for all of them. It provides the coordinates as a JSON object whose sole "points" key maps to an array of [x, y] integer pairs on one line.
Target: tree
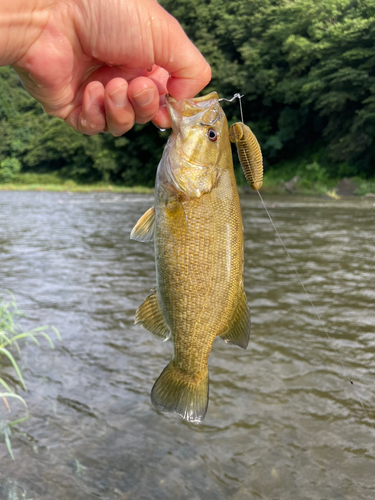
{"points": [[306, 69]]}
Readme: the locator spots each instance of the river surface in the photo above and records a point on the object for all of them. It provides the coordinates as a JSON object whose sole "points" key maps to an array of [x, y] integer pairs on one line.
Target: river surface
{"points": [[284, 421]]}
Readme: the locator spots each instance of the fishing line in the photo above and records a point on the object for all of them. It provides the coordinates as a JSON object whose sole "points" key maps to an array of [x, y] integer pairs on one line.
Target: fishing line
{"points": [[239, 97], [313, 306]]}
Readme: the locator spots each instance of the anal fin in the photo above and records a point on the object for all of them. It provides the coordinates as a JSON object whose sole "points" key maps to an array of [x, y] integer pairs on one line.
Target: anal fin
{"points": [[150, 316], [238, 332], [144, 229]]}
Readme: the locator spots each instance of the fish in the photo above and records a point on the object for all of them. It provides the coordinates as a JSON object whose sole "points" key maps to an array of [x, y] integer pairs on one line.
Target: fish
{"points": [[197, 229]]}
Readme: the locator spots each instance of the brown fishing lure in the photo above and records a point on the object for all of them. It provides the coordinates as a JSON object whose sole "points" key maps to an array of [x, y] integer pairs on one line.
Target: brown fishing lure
{"points": [[249, 153]]}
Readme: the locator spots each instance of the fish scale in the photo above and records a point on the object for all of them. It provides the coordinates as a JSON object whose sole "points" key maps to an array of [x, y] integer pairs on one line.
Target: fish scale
{"points": [[199, 254]]}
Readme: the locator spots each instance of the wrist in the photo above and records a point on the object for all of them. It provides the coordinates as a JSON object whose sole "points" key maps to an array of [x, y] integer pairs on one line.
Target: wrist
{"points": [[21, 22]]}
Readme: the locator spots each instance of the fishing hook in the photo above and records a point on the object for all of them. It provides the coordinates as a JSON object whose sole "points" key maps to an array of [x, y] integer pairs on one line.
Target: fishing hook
{"points": [[236, 96]]}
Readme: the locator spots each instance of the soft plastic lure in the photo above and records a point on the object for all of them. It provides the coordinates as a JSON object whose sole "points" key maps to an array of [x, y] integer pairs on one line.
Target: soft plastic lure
{"points": [[249, 153]]}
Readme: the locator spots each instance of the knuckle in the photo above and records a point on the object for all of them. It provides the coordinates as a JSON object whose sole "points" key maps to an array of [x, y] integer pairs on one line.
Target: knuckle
{"points": [[118, 129], [145, 118], [121, 120], [89, 128], [117, 132]]}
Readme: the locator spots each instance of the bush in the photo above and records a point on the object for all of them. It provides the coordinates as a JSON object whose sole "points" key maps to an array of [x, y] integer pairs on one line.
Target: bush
{"points": [[364, 186], [9, 169]]}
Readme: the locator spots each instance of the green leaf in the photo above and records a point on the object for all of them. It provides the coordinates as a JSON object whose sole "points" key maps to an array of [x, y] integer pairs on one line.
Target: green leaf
{"points": [[15, 366]]}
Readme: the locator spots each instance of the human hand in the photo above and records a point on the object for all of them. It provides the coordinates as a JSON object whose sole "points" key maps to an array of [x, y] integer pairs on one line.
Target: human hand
{"points": [[105, 64]]}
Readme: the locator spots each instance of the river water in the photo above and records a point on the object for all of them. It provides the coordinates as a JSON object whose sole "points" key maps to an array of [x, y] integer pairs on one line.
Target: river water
{"points": [[284, 422]]}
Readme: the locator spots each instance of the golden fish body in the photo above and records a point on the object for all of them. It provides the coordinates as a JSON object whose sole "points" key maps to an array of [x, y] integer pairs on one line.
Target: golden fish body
{"points": [[198, 234]]}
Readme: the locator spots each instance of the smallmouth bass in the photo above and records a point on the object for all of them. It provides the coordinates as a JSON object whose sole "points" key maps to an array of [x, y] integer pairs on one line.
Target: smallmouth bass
{"points": [[197, 229]]}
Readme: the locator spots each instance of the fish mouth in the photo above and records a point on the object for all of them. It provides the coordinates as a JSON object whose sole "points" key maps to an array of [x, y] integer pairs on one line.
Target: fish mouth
{"points": [[171, 102], [189, 107], [194, 101]]}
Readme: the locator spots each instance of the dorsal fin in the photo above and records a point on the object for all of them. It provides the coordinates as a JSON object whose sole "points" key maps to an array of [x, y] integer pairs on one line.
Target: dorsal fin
{"points": [[144, 229]]}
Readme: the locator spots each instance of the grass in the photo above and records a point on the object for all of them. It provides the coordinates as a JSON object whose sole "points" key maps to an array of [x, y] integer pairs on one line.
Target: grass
{"points": [[312, 181], [274, 184], [52, 182], [10, 337], [364, 186]]}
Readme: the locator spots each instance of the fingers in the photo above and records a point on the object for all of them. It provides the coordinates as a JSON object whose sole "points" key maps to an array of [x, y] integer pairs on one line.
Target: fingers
{"points": [[126, 104], [89, 118], [144, 96], [120, 114], [162, 119], [117, 107], [92, 119]]}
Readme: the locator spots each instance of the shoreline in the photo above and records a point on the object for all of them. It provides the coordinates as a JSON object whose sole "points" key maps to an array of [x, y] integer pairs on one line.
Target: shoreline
{"points": [[334, 189], [243, 190], [84, 188]]}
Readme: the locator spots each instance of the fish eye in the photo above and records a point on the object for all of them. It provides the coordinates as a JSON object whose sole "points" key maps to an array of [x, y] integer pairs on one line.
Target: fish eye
{"points": [[212, 134]]}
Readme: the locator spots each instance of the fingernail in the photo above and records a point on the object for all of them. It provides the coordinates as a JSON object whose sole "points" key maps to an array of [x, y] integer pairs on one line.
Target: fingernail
{"points": [[119, 96], [144, 97], [96, 95]]}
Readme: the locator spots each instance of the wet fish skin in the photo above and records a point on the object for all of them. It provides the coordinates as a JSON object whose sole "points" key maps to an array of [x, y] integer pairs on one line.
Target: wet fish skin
{"points": [[198, 235]]}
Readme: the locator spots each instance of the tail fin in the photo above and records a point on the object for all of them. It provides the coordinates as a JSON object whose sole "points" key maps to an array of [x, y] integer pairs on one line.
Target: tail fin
{"points": [[175, 392]]}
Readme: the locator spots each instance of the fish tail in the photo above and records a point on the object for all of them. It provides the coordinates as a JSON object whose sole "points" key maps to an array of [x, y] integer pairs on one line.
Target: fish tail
{"points": [[176, 391]]}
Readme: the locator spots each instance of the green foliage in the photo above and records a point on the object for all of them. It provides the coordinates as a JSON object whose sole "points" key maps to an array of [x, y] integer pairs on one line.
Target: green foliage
{"points": [[364, 186], [306, 68], [37, 178], [11, 335], [314, 176], [9, 169], [45, 144]]}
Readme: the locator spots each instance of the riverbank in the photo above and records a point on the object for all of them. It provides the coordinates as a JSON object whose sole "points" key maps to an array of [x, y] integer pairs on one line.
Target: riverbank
{"points": [[77, 188], [51, 182], [278, 182], [274, 183]]}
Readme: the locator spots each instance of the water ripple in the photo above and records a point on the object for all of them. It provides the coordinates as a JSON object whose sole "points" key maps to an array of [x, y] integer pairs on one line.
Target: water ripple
{"points": [[283, 422]]}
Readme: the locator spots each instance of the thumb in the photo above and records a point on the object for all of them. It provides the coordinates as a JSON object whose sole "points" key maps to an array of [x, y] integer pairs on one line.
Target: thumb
{"points": [[173, 51]]}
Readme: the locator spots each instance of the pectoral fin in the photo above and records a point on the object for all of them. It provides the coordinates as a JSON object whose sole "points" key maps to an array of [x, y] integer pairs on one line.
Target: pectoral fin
{"points": [[144, 229], [150, 316], [238, 332]]}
